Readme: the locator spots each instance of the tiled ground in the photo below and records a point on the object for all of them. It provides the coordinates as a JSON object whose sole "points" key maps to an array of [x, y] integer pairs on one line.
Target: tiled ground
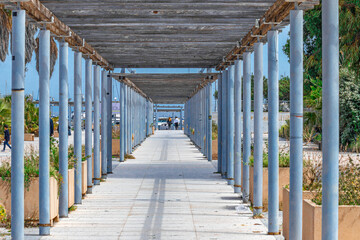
{"points": [[168, 192]]}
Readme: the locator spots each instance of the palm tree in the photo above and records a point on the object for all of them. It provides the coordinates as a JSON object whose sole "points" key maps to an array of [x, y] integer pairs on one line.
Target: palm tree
{"points": [[5, 114]]}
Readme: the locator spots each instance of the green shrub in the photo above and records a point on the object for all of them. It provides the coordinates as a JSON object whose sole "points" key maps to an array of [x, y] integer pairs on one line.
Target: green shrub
{"points": [[284, 131], [284, 159], [349, 182], [31, 169], [214, 131]]}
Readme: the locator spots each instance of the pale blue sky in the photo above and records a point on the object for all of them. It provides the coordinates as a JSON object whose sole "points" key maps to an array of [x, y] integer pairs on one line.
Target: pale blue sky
{"points": [[32, 79]]}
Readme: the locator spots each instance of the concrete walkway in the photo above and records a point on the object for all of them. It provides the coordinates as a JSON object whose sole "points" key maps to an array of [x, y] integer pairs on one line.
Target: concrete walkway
{"points": [[168, 192]]}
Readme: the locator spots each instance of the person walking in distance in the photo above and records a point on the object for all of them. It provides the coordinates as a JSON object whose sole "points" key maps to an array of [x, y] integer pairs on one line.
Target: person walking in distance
{"points": [[176, 123], [6, 137], [169, 122]]}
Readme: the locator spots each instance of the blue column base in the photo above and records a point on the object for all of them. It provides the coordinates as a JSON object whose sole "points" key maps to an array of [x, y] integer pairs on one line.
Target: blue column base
{"points": [[44, 231]]}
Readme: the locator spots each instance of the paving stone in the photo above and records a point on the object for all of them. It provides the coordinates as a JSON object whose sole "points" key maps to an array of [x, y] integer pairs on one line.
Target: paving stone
{"points": [[169, 191]]}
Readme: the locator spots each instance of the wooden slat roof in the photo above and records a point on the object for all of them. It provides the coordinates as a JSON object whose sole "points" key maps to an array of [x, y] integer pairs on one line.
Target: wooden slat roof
{"points": [[160, 33], [167, 88]]}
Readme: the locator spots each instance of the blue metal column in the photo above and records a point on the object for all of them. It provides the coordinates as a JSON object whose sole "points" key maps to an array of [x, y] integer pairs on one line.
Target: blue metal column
{"points": [[17, 119], [224, 124], [44, 132], [88, 122], [237, 142], [330, 118], [122, 122], [258, 127], [130, 119], [156, 117], [231, 130], [219, 156], [63, 128], [147, 128], [296, 124], [273, 137], [109, 122], [126, 115], [246, 125], [97, 169], [181, 118], [103, 125], [204, 122], [209, 130], [77, 125]]}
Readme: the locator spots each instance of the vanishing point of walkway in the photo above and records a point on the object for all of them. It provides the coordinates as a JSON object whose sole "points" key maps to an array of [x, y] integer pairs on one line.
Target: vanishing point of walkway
{"points": [[168, 192]]}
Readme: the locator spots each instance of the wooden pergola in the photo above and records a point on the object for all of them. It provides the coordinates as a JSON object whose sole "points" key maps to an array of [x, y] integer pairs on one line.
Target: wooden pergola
{"points": [[215, 34]]}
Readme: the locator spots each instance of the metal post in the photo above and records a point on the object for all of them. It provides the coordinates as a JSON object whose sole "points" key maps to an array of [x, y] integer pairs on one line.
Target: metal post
{"points": [[44, 132], [122, 122], [109, 123], [231, 130], [330, 119], [88, 122], [181, 118], [17, 119], [126, 123], [237, 141], [104, 125], [63, 128], [77, 125], [97, 169], [273, 137], [156, 117], [258, 127], [296, 124], [246, 125], [147, 118], [209, 130], [224, 124], [219, 122]]}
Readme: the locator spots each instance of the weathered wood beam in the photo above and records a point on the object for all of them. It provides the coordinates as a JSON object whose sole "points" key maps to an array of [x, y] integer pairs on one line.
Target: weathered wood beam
{"points": [[39, 13], [131, 85], [276, 13]]}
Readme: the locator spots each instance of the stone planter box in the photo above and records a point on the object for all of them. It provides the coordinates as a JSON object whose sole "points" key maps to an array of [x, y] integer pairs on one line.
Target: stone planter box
{"points": [[214, 148], [349, 221], [71, 187], [349, 216], [84, 177], [93, 166], [31, 200], [284, 179], [116, 147], [306, 195], [29, 137]]}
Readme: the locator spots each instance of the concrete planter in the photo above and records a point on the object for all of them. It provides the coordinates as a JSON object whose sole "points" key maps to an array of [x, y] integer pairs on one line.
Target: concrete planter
{"points": [[348, 219], [116, 147], [284, 179], [93, 166], [84, 177], [349, 223], [31, 199], [71, 187], [214, 148], [285, 192], [29, 137]]}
